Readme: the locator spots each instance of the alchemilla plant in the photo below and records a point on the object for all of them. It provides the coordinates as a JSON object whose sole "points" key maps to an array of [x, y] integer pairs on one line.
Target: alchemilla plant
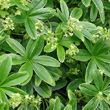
{"points": [[54, 54]]}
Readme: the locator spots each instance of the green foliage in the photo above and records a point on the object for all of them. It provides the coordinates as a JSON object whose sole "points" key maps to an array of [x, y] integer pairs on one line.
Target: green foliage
{"points": [[54, 54]]}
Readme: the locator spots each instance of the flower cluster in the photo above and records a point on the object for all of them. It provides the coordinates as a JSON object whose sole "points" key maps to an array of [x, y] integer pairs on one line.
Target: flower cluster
{"points": [[18, 11], [4, 4], [8, 24], [39, 26], [72, 23], [108, 98], [51, 40], [17, 100], [99, 96], [103, 33], [74, 71], [72, 50], [24, 2]]}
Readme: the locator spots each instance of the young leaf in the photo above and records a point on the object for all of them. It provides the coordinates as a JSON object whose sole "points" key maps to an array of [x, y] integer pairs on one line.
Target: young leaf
{"points": [[60, 53], [86, 2], [76, 13], [46, 61], [5, 68], [15, 79], [40, 71], [64, 9], [88, 89], [92, 104], [15, 45], [43, 89]]}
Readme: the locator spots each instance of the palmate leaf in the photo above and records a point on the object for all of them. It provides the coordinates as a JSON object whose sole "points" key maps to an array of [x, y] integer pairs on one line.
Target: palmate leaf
{"points": [[86, 2], [16, 46], [5, 68], [46, 61], [43, 89], [88, 89], [43, 73], [15, 79], [92, 104]]}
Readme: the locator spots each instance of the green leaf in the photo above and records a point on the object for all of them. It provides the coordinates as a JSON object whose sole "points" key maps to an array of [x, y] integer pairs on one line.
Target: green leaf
{"points": [[92, 104], [98, 80], [93, 12], [98, 46], [106, 82], [104, 58], [3, 37], [4, 99], [11, 90], [74, 84], [103, 67], [106, 5], [43, 13], [64, 9], [2, 105], [17, 59], [82, 55], [34, 47], [20, 5], [90, 70], [102, 16], [5, 68], [78, 34], [30, 28], [99, 5], [37, 80], [76, 13], [68, 107], [46, 61], [17, 18], [88, 89], [16, 46], [87, 34], [43, 89], [48, 48], [86, 2], [59, 84], [60, 53], [107, 91], [15, 79], [88, 45], [40, 71], [55, 72], [38, 4], [104, 105], [27, 67], [57, 104]]}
